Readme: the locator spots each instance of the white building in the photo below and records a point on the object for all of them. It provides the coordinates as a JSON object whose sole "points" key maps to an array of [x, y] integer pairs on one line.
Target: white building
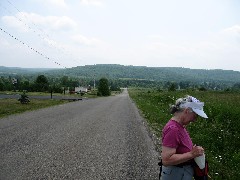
{"points": [[81, 89]]}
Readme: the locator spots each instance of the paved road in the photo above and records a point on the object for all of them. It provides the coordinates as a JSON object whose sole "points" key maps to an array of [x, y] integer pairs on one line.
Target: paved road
{"points": [[101, 138]]}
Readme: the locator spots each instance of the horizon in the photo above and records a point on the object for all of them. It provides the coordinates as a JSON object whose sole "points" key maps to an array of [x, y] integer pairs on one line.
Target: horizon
{"points": [[116, 65], [63, 34]]}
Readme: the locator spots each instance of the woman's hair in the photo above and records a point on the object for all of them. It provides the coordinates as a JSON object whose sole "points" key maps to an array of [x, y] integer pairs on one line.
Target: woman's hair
{"points": [[176, 107]]}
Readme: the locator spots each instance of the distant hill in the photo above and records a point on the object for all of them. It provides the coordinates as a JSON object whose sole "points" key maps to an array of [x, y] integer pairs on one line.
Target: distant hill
{"points": [[115, 71], [177, 74], [21, 71]]}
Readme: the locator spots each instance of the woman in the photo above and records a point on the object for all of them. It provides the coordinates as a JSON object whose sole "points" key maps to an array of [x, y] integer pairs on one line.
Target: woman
{"points": [[178, 150]]}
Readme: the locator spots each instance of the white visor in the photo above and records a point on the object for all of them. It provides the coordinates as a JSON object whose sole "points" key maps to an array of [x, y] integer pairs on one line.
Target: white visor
{"points": [[197, 107]]}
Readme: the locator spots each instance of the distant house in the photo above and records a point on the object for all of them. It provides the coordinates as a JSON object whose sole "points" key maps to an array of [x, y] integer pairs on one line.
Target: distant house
{"points": [[81, 89], [77, 90]]}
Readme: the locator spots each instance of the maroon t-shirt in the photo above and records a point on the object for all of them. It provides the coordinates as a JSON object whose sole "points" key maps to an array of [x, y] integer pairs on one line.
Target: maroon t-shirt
{"points": [[175, 135]]}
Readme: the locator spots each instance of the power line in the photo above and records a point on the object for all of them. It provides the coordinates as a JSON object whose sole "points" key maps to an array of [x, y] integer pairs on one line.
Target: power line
{"points": [[49, 41], [27, 18], [43, 35], [35, 50], [19, 19]]}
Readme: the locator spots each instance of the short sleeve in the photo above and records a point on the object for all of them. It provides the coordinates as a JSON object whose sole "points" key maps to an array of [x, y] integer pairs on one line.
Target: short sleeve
{"points": [[171, 137]]}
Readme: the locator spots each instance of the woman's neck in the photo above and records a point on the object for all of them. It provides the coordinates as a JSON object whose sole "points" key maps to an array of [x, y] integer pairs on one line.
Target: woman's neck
{"points": [[178, 119]]}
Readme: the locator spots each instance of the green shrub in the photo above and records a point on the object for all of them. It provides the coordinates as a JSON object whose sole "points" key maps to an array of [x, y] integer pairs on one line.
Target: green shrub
{"points": [[103, 88]]}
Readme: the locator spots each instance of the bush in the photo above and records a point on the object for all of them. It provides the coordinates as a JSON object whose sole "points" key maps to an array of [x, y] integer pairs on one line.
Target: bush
{"points": [[24, 98], [103, 88]]}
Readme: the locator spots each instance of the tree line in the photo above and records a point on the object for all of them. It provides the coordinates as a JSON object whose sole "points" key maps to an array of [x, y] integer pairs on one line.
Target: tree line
{"points": [[121, 76], [48, 83], [43, 83], [40, 84]]}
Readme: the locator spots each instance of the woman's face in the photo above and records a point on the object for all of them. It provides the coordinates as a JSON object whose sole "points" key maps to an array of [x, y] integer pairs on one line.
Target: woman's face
{"points": [[191, 116]]}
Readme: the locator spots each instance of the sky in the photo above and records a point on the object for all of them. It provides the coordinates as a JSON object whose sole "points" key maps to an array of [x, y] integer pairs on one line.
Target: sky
{"points": [[196, 34]]}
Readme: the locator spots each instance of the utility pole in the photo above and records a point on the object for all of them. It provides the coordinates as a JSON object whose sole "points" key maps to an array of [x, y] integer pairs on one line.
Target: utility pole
{"points": [[94, 78]]}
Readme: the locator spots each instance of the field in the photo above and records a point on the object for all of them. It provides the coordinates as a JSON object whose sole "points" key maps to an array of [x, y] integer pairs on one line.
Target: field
{"points": [[219, 134], [13, 106]]}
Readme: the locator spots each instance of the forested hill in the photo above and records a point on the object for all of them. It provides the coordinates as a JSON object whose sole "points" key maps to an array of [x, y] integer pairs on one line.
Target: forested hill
{"points": [[21, 71], [114, 71], [176, 74]]}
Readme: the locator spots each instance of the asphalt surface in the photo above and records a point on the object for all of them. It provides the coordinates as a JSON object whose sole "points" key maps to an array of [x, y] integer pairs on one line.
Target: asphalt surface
{"points": [[101, 138]]}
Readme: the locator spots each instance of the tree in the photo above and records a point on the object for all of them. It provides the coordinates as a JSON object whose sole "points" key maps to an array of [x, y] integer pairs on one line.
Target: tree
{"points": [[103, 87], [25, 85], [202, 88], [24, 98], [1, 86], [41, 83], [64, 81], [236, 87], [114, 86], [172, 87]]}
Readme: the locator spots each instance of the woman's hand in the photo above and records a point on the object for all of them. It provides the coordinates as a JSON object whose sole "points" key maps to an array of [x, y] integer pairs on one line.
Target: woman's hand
{"points": [[169, 156], [197, 151]]}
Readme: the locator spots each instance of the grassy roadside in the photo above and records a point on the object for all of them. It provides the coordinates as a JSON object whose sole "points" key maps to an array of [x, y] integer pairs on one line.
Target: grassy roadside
{"points": [[13, 106], [219, 134], [91, 94]]}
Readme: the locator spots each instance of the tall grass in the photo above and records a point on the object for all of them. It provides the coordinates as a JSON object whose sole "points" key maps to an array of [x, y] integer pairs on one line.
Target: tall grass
{"points": [[219, 134]]}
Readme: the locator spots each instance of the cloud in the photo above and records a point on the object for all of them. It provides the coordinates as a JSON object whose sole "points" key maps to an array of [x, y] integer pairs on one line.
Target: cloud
{"points": [[212, 50], [231, 34], [14, 22], [217, 42], [167, 49], [83, 40], [234, 30], [60, 23], [25, 20], [92, 2], [4, 43], [155, 36], [55, 3]]}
